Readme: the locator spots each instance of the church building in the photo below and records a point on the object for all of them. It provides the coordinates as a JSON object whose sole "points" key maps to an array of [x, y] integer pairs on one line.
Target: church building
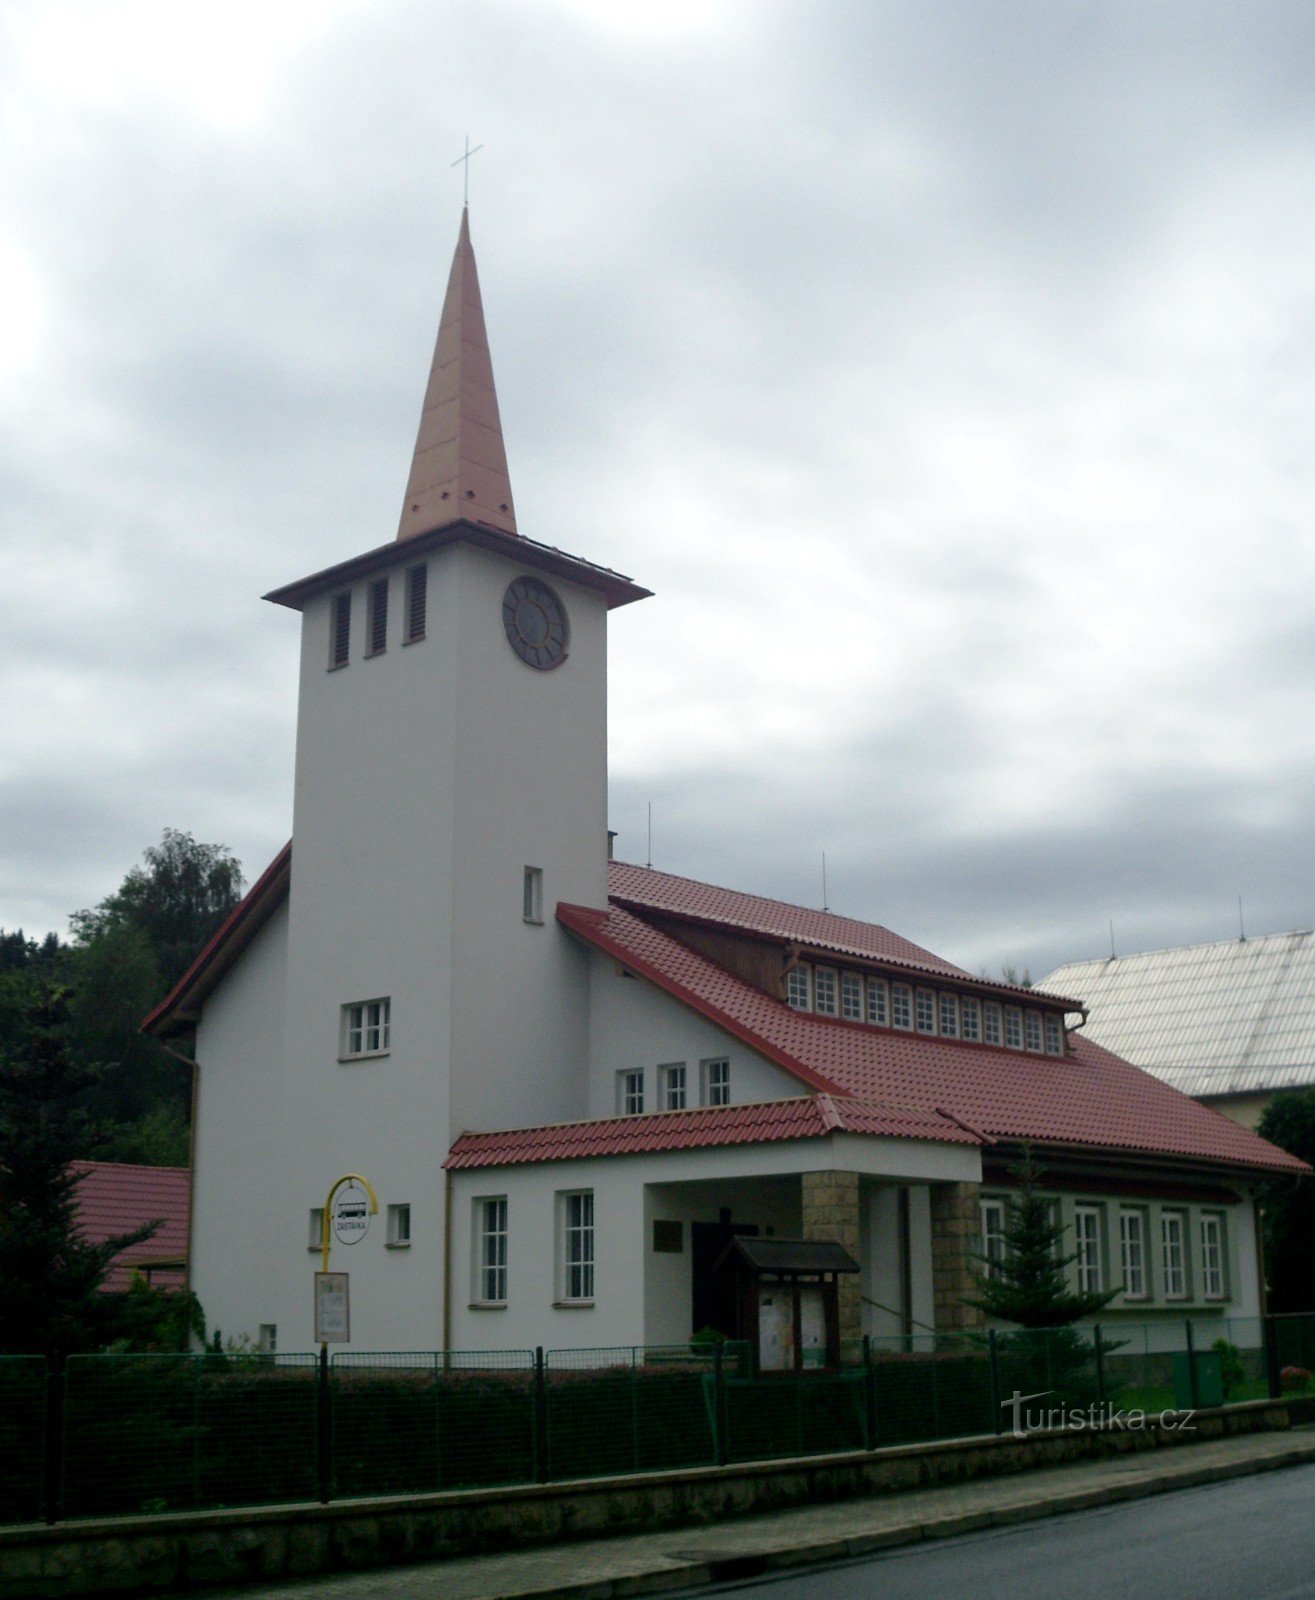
{"points": [[599, 1104]]}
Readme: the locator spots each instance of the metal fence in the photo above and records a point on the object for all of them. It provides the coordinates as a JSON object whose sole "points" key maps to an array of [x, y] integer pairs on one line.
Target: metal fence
{"points": [[110, 1435]]}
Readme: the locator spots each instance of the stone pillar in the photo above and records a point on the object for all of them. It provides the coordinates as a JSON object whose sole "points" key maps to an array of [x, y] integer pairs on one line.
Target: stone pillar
{"points": [[830, 1211], [955, 1231]]}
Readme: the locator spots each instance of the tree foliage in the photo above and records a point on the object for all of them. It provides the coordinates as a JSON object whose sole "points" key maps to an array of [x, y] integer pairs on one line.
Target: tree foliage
{"points": [[1289, 1203], [1030, 1287], [50, 1275]]}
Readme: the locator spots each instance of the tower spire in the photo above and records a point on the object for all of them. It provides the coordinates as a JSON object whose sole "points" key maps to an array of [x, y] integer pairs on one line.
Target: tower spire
{"points": [[459, 469]]}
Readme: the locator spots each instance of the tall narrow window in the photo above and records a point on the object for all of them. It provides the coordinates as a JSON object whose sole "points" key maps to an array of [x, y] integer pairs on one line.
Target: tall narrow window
{"points": [[577, 1258], [417, 592], [316, 1238], [851, 996], [901, 1005], [1132, 1242], [993, 1235], [267, 1341], [717, 1082], [491, 1250], [378, 617], [799, 987], [1087, 1224], [399, 1227], [1054, 1035], [1212, 1256], [971, 1014], [1014, 1027], [1032, 1020], [925, 1010], [532, 894], [673, 1078], [949, 1005], [878, 1001], [824, 991], [1172, 1256], [340, 632], [630, 1092], [991, 1022]]}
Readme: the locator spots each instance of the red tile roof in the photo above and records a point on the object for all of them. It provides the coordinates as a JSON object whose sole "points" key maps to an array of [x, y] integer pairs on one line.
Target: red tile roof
{"points": [[1088, 1098], [114, 1197], [804, 1117], [650, 893]]}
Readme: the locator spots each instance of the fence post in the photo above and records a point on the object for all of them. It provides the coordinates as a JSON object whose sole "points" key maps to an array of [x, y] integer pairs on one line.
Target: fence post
{"points": [[719, 1403], [1193, 1379], [997, 1409], [323, 1430], [869, 1393], [53, 1475], [1100, 1368], [1272, 1367], [540, 1417]]}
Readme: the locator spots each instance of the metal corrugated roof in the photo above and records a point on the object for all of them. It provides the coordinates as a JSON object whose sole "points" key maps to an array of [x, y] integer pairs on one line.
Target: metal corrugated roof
{"points": [[1222, 1018]]}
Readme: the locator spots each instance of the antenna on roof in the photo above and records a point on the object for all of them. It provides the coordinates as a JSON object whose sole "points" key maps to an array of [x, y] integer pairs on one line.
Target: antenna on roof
{"points": [[1114, 955], [825, 907], [1241, 926], [649, 861]]}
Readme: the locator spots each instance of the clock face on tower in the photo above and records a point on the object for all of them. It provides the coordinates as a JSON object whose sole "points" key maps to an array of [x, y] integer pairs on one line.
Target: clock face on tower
{"points": [[534, 620]]}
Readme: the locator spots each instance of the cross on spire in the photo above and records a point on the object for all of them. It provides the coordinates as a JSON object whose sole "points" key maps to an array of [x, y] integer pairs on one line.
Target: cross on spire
{"points": [[464, 163]]}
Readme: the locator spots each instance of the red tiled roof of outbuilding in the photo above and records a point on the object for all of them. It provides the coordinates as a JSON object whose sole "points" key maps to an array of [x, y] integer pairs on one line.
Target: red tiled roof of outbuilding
{"points": [[115, 1197]]}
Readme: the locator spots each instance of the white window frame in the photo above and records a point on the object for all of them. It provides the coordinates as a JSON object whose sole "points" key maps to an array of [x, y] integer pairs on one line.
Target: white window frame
{"points": [[851, 997], [673, 1086], [1013, 1027], [970, 1019], [315, 1239], [901, 1006], [1214, 1256], [576, 1244], [826, 992], [399, 1226], [1054, 1035], [799, 987], [993, 1219], [878, 1002], [1132, 1250], [924, 1011], [630, 1092], [490, 1218], [1173, 1255], [1033, 1033], [267, 1340], [715, 1085], [947, 1014], [1087, 1232], [993, 1022], [532, 896], [365, 1029]]}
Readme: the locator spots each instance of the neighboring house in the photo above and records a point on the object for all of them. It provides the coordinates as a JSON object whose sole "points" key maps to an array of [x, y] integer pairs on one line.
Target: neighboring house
{"points": [[114, 1198], [602, 1105], [1228, 1023]]}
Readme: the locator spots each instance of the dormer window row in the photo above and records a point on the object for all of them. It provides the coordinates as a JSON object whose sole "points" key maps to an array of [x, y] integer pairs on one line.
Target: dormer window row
{"points": [[919, 1008]]}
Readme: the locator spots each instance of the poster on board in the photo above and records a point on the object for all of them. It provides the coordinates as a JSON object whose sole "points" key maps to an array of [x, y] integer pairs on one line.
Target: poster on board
{"points": [[332, 1311]]}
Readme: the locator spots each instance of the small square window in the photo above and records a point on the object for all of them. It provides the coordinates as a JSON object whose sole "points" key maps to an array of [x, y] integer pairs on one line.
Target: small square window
{"points": [[340, 630], [926, 1011], [878, 1002], [630, 1092], [851, 997], [717, 1082], [417, 587], [399, 1227], [491, 1250], [378, 618], [949, 1007], [532, 895], [799, 987], [672, 1079], [970, 1016], [901, 1005], [824, 992], [366, 1028]]}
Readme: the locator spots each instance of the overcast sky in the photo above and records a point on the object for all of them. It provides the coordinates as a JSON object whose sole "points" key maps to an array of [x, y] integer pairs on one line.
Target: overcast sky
{"points": [[945, 368]]}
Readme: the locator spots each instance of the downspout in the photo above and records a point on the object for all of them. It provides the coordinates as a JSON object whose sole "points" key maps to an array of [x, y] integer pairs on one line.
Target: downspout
{"points": [[195, 1072], [447, 1261]]}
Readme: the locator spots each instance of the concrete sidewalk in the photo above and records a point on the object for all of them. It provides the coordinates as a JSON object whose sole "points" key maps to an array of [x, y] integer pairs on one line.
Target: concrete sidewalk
{"points": [[681, 1558]]}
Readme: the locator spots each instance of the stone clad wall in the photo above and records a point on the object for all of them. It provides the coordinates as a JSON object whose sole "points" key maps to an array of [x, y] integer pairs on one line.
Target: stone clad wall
{"points": [[830, 1211], [955, 1230]]}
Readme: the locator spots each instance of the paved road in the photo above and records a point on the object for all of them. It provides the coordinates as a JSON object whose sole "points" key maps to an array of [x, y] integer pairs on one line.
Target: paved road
{"points": [[1252, 1539]]}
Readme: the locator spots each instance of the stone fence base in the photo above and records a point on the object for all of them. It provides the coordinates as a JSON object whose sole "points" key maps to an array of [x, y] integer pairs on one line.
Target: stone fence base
{"points": [[145, 1554]]}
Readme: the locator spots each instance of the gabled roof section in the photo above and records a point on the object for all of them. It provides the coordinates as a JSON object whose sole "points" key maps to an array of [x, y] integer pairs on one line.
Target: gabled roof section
{"points": [[647, 892], [459, 468], [701, 1128], [1089, 1099], [1232, 1017], [180, 1010], [115, 1197]]}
